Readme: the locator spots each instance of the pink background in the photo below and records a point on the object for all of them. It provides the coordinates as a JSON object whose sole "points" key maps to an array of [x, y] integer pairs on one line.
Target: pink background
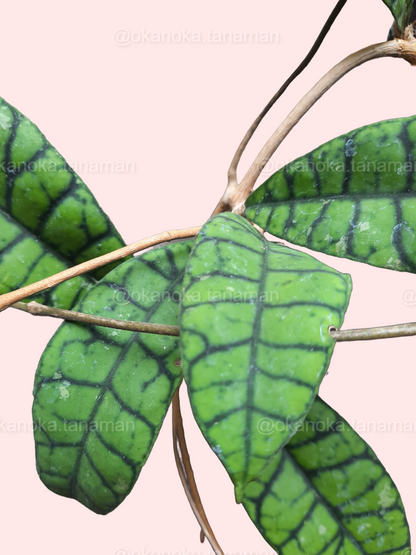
{"points": [[175, 113]]}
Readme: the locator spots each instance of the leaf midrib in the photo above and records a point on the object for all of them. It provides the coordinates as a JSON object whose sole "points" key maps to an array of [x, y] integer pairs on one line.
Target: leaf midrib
{"points": [[105, 388], [253, 357], [388, 196], [27, 233], [318, 495]]}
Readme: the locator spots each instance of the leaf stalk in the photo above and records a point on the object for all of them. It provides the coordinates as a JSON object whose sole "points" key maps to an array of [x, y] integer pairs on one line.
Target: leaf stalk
{"points": [[8, 299]]}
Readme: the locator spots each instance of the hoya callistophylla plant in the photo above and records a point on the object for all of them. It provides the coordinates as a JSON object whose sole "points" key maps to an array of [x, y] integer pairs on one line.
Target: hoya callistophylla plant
{"points": [[48, 217], [121, 377], [272, 308], [401, 11], [370, 218], [333, 482], [249, 324]]}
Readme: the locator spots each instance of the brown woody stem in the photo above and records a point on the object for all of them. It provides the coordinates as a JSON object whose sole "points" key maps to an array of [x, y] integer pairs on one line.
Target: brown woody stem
{"points": [[183, 463], [394, 48], [13, 297], [37, 309], [367, 334], [223, 205]]}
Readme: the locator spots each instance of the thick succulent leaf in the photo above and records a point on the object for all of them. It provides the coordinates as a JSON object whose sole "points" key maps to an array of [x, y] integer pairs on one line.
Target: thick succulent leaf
{"points": [[24, 259], [101, 394], [49, 220], [401, 11], [327, 492], [254, 337], [353, 197]]}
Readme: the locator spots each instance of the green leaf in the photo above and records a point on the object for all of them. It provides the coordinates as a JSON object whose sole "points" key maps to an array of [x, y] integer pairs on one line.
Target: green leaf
{"points": [[254, 339], [24, 260], [401, 11], [49, 220], [327, 492], [101, 394], [353, 197]]}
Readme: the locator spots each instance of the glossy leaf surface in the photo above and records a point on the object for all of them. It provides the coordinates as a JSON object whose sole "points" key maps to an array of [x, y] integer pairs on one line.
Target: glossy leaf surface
{"points": [[24, 260], [49, 220], [101, 394], [255, 342], [327, 492], [401, 11], [353, 197]]}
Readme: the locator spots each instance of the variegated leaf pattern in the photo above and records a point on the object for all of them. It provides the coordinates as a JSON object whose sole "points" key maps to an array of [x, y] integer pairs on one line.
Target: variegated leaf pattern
{"points": [[327, 493], [49, 220], [254, 337], [24, 260], [401, 11], [353, 197], [101, 394]]}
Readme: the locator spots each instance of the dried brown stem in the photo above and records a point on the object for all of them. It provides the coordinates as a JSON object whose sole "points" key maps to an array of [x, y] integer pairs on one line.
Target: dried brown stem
{"points": [[13, 297], [223, 204], [183, 463], [37, 309], [364, 334], [367, 334], [395, 48]]}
